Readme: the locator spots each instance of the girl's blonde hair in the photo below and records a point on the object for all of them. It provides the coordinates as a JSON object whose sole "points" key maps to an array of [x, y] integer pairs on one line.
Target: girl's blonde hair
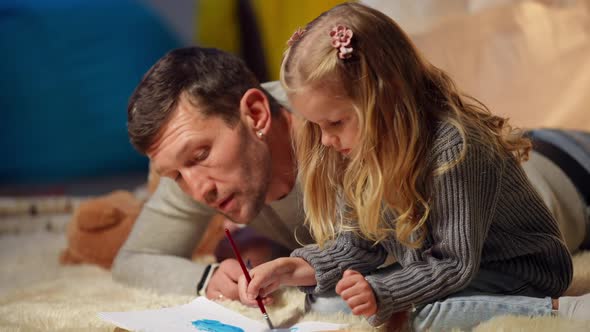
{"points": [[399, 98]]}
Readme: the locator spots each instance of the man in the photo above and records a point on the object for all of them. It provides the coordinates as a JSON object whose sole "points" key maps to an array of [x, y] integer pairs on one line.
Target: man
{"points": [[221, 142], [218, 138]]}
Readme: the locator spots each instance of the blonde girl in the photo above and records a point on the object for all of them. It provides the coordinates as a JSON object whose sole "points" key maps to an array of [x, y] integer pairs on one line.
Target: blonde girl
{"points": [[394, 160]]}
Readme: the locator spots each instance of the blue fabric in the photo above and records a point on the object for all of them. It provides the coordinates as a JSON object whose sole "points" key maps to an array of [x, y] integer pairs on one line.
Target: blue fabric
{"points": [[467, 311], [68, 68]]}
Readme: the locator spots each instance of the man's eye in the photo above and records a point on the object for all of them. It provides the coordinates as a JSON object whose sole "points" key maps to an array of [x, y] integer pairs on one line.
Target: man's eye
{"points": [[202, 155]]}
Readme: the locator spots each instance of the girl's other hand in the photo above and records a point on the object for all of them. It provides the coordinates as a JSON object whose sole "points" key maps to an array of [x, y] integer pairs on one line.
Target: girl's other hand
{"points": [[357, 292]]}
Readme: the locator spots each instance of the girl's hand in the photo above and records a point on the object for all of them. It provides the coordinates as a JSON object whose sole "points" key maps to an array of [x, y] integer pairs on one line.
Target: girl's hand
{"points": [[357, 292], [264, 282], [268, 277]]}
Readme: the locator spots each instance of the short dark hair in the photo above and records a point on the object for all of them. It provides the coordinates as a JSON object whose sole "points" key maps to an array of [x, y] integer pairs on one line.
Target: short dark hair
{"points": [[211, 78]]}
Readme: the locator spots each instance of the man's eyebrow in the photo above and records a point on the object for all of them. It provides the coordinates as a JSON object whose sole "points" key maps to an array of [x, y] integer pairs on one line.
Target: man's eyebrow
{"points": [[183, 150]]}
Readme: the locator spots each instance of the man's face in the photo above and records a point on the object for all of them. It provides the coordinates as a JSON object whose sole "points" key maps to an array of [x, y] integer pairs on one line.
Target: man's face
{"points": [[225, 168]]}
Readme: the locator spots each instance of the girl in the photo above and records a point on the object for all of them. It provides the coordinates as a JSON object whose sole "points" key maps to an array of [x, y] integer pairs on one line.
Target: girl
{"points": [[394, 160]]}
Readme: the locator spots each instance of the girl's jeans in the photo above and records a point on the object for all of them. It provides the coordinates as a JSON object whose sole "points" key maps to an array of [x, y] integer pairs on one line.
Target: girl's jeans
{"points": [[489, 295]]}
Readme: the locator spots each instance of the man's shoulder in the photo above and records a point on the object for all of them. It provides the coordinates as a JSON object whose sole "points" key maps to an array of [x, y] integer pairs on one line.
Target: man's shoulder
{"points": [[290, 208], [169, 198], [276, 90]]}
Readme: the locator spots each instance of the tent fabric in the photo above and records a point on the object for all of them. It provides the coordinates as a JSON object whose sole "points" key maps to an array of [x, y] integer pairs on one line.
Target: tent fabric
{"points": [[526, 60]]}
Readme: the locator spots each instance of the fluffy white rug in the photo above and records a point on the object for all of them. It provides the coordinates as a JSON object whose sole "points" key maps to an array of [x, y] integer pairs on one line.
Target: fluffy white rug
{"points": [[37, 294]]}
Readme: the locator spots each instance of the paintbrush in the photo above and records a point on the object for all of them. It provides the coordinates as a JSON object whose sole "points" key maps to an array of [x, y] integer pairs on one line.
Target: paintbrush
{"points": [[248, 278]]}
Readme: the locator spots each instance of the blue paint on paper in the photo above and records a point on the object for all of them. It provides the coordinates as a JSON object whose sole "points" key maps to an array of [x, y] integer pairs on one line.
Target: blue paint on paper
{"points": [[209, 325]]}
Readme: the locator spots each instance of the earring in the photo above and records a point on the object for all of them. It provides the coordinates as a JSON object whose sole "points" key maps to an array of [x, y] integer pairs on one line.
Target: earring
{"points": [[259, 134]]}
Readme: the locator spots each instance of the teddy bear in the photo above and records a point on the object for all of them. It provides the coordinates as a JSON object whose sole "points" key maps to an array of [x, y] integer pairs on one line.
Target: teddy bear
{"points": [[99, 227]]}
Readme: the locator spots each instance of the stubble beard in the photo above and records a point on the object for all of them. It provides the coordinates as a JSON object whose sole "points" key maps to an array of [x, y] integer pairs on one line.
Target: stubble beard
{"points": [[257, 203], [257, 173]]}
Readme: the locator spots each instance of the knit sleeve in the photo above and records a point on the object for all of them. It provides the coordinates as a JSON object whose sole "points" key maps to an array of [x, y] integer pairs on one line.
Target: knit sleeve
{"points": [[348, 251], [463, 203]]}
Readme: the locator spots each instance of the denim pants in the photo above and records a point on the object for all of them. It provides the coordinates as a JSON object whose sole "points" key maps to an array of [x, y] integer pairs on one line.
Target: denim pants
{"points": [[489, 295]]}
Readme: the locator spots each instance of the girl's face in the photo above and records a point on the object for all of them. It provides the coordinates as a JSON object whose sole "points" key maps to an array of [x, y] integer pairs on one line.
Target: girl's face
{"points": [[333, 113]]}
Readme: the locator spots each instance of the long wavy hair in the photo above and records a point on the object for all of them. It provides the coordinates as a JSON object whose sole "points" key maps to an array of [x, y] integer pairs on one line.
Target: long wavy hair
{"points": [[399, 98]]}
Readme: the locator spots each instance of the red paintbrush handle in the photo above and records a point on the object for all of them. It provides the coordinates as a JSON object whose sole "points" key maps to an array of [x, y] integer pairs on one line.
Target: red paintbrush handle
{"points": [[244, 269]]}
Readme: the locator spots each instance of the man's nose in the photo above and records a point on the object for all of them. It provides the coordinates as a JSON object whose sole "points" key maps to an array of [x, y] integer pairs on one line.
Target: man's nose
{"points": [[201, 188]]}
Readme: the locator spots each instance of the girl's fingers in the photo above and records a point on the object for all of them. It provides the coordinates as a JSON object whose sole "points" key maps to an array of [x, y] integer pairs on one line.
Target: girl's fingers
{"points": [[362, 305], [252, 290], [268, 300], [261, 278], [350, 292], [362, 309], [356, 300], [344, 284], [256, 283], [352, 284], [245, 299], [266, 291], [358, 294], [263, 288]]}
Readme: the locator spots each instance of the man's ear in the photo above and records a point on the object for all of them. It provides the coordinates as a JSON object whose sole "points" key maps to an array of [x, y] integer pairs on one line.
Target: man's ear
{"points": [[255, 110]]}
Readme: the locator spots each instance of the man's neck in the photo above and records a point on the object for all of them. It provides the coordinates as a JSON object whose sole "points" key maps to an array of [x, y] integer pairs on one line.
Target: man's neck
{"points": [[284, 165]]}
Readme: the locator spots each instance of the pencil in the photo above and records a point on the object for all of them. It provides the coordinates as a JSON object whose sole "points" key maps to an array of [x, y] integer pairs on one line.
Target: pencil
{"points": [[248, 278]]}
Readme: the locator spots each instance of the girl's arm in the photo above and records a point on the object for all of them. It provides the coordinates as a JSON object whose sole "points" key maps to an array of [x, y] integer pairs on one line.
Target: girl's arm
{"points": [[347, 252]]}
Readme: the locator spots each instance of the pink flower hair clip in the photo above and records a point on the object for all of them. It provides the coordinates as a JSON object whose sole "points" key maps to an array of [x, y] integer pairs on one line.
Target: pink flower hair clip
{"points": [[296, 36], [341, 38]]}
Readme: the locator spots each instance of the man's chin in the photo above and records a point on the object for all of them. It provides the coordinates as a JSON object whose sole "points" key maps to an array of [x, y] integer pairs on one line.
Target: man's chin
{"points": [[239, 217], [245, 212]]}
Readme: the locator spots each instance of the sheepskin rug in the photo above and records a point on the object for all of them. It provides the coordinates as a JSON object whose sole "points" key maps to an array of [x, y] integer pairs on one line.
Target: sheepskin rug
{"points": [[37, 294]]}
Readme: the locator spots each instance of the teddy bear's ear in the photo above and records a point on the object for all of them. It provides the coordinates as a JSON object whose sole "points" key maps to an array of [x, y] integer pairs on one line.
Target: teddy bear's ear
{"points": [[97, 222]]}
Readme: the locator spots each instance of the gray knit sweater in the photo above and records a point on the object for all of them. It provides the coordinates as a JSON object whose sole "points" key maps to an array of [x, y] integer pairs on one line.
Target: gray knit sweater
{"points": [[485, 214]]}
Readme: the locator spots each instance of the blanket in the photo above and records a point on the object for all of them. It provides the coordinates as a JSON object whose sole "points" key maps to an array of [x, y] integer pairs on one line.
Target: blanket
{"points": [[38, 294]]}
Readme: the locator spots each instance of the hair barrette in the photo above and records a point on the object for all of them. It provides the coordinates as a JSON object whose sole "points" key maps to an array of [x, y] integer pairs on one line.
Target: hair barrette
{"points": [[296, 36], [341, 39]]}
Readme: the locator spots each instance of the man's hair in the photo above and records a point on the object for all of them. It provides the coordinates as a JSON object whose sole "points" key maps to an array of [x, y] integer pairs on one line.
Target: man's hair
{"points": [[210, 78]]}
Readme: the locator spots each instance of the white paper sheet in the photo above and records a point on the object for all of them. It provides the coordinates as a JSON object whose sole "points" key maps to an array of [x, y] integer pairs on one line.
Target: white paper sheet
{"points": [[200, 315]]}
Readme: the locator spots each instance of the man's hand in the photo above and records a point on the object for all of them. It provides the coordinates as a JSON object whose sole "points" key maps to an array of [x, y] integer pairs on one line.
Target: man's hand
{"points": [[357, 292], [224, 281]]}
